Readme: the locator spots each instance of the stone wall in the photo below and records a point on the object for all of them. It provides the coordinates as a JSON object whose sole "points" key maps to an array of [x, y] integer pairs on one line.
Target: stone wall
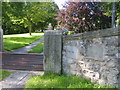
{"points": [[94, 55]]}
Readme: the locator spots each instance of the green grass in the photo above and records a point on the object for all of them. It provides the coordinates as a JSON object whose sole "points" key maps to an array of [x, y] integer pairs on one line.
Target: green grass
{"points": [[4, 74], [38, 48], [11, 43], [51, 80]]}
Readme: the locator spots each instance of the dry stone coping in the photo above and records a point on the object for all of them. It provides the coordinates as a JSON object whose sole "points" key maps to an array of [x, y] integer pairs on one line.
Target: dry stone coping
{"points": [[94, 34]]}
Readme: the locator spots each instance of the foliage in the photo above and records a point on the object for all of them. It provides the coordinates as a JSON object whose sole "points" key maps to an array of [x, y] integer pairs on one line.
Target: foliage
{"points": [[83, 16], [50, 80], [11, 18], [107, 7], [11, 43], [21, 17], [4, 74], [38, 48]]}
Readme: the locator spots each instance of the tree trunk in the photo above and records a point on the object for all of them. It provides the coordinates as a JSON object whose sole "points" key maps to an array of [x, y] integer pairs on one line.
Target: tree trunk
{"points": [[118, 21], [53, 27], [113, 14], [30, 29], [42, 30]]}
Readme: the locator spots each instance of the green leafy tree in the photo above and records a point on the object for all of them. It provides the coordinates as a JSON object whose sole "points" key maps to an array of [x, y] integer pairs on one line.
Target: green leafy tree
{"points": [[40, 13], [24, 16], [12, 17], [108, 9]]}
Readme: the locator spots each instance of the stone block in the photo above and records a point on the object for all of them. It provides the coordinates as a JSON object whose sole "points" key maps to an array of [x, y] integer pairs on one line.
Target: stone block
{"points": [[102, 82], [72, 52], [93, 66], [95, 51], [70, 60], [111, 41], [82, 64], [97, 41], [82, 50], [111, 64]]}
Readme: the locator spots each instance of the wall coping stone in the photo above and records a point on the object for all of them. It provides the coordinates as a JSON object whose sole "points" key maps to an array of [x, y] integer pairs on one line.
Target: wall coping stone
{"points": [[94, 34], [53, 32]]}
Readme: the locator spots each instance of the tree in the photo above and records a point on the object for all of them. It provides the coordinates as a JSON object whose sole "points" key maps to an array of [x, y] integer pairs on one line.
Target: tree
{"points": [[112, 9], [19, 17], [33, 15], [12, 17], [83, 16]]}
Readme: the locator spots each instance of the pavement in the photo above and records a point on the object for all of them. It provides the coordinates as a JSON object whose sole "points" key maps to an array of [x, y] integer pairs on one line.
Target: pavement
{"points": [[18, 79]]}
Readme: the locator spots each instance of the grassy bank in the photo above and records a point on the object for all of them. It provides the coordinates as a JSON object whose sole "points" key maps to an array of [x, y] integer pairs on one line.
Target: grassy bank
{"points": [[38, 48], [51, 80]]}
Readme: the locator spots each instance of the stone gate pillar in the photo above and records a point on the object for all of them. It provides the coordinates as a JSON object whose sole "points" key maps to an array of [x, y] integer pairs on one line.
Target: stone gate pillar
{"points": [[53, 51], [1, 40]]}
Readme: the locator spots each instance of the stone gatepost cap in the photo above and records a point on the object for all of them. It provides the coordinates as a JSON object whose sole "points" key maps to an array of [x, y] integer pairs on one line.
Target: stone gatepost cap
{"points": [[53, 32]]}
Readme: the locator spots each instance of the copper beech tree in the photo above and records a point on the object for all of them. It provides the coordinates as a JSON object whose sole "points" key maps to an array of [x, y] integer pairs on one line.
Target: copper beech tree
{"points": [[83, 16]]}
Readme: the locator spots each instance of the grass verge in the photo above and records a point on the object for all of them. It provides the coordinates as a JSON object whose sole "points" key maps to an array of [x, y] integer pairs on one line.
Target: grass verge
{"points": [[11, 43], [4, 74], [51, 80], [38, 48]]}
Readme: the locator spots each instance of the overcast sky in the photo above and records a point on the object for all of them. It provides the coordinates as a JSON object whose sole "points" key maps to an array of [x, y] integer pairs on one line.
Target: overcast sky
{"points": [[59, 3]]}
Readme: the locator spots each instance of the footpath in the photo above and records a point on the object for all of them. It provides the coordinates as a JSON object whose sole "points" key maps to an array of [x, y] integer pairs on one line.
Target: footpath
{"points": [[18, 78], [29, 47]]}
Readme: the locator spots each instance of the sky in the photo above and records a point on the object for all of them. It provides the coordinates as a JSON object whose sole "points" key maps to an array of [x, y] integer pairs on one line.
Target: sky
{"points": [[60, 2]]}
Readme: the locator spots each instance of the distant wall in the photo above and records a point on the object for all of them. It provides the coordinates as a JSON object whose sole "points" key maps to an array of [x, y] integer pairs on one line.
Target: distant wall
{"points": [[94, 55]]}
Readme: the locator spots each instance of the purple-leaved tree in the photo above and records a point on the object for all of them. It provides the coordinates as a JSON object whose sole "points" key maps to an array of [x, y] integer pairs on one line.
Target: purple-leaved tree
{"points": [[83, 16]]}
